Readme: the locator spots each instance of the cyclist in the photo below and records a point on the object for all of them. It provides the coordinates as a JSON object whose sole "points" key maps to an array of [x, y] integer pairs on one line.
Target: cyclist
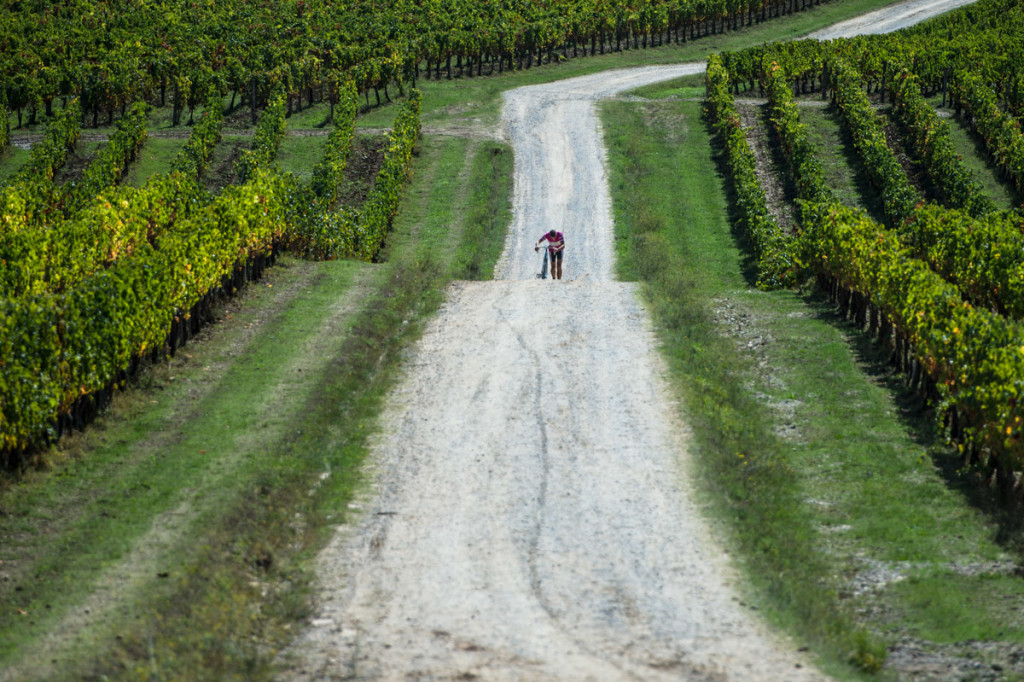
{"points": [[556, 247]]}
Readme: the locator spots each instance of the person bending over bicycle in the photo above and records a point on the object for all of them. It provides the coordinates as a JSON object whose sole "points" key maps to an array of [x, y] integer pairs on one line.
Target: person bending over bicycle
{"points": [[556, 247]]}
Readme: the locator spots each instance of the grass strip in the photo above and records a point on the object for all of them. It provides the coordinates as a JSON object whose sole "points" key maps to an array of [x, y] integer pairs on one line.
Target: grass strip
{"points": [[11, 161], [975, 157], [154, 159], [298, 154], [489, 213], [843, 171]]}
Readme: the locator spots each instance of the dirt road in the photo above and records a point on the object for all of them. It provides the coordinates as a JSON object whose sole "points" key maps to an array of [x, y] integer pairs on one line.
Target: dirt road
{"points": [[560, 178], [888, 19], [530, 518], [532, 515]]}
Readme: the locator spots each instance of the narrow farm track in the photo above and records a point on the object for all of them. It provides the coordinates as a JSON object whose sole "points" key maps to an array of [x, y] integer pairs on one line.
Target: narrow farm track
{"points": [[531, 514], [532, 518]]}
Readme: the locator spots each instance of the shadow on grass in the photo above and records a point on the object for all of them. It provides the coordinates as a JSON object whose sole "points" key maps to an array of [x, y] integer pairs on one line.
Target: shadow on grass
{"points": [[921, 421], [871, 198], [998, 175], [748, 266]]}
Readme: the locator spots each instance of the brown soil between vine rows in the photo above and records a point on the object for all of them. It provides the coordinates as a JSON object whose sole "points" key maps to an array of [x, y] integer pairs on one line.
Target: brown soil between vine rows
{"points": [[364, 162], [777, 197]]}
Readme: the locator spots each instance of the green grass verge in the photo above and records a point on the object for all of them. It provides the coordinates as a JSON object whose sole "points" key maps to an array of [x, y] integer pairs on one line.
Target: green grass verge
{"points": [[154, 159], [819, 467], [972, 150], [489, 211], [680, 88], [298, 154], [843, 170], [11, 161], [942, 609]]}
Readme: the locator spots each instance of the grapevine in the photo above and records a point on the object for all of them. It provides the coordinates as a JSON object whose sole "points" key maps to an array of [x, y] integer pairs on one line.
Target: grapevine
{"points": [[771, 243]]}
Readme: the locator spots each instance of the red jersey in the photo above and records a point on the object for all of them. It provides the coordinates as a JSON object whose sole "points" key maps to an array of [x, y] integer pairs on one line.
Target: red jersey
{"points": [[556, 243]]}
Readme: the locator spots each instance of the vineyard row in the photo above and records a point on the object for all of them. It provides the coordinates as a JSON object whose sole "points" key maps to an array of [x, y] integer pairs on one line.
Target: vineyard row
{"points": [[111, 55], [951, 334], [64, 349]]}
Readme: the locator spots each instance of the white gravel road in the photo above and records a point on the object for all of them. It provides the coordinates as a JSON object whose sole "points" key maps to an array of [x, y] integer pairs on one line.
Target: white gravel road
{"points": [[889, 19], [532, 514], [560, 175], [531, 518]]}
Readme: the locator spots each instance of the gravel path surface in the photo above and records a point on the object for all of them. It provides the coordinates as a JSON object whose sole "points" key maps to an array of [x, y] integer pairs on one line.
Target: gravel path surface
{"points": [[530, 518], [531, 515], [889, 19], [560, 176]]}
